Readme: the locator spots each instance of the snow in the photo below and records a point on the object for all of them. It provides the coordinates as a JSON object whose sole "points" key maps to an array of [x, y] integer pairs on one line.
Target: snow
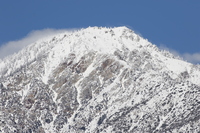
{"points": [[52, 51], [25, 92], [78, 91], [88, 70], [82, 41], [177, 66]]}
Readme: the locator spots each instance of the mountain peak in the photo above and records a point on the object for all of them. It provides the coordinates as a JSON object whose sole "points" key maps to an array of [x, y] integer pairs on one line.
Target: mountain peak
{"points": [[92, 38], [97, 39], [98, 80]]}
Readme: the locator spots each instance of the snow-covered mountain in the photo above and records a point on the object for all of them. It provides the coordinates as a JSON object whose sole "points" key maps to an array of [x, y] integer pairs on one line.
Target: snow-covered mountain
{"points": [[98, 80]]}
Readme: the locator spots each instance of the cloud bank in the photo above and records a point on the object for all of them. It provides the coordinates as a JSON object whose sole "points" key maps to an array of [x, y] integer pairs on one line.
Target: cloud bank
{"points": [[189, 57], [193, 58], [15, 46]]}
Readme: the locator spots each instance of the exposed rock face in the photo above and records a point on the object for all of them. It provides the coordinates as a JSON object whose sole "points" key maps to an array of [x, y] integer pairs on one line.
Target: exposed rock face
{"points": [[98, 80]]}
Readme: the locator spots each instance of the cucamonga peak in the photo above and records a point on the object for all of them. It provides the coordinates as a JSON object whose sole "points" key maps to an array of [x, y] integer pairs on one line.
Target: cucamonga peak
{"points": [[98, 80]]}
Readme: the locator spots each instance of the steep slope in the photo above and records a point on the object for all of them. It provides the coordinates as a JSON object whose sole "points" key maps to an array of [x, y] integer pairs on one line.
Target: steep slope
{"points": [[98, 80]]}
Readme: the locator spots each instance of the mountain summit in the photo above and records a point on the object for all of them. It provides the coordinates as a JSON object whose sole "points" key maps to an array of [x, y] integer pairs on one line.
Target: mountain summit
{"points": [[98, 80]]}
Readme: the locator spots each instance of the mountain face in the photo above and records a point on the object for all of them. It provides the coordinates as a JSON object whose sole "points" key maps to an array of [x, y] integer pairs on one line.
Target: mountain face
{"points": [[98, 80]]}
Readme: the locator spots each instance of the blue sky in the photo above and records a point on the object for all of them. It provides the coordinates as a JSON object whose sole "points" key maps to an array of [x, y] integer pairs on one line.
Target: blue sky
{"points": [[170, 24]]}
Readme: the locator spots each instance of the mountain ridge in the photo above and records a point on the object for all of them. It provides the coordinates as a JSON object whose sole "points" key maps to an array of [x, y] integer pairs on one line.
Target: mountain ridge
{"points": [[121, 33], [98, 80], [47, 40]]}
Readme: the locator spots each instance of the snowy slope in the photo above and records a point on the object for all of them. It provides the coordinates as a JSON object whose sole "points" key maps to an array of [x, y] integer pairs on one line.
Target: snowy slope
{"points": [[98, 80], [93, 38]]}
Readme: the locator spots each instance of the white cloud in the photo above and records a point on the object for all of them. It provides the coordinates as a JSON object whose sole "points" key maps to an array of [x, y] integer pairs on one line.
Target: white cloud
{"points": [[15, 46], [192, 58]]}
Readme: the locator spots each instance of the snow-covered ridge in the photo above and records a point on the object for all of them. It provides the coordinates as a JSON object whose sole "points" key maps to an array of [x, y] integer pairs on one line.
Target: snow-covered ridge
{"points": [[66, 42], [102, 40], [98, 80]]}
